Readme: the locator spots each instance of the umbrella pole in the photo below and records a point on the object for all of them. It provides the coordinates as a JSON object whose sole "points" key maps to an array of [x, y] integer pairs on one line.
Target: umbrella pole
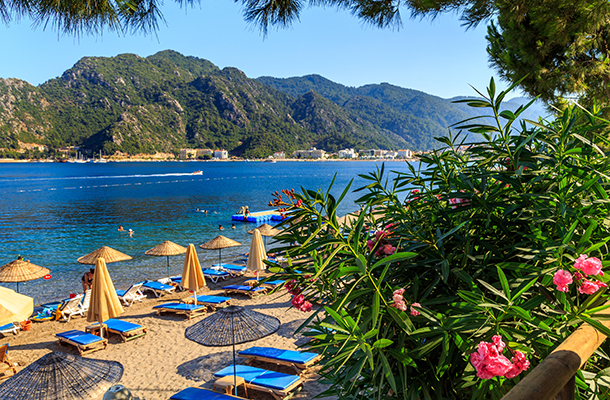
{"points": [[234, 366], [220, 257], [168, 266], [17, 287]]}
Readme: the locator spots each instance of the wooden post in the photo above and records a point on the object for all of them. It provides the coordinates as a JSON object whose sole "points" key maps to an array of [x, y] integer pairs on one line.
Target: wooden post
{"points": [[550, 377]]}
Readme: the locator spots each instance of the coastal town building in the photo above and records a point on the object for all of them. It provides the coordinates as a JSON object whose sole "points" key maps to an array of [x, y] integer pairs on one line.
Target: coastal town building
{"points": [[311, 153], [347, 153], [372, 153], [279, 155], [205, 152], [405, 154], [221, 154], [187, 154]]}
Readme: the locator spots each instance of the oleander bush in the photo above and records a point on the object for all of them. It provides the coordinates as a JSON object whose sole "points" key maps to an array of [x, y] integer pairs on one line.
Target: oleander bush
{"points": [[481, 245]]}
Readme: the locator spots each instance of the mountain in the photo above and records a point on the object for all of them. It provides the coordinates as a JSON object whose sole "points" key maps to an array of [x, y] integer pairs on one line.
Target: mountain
{"points": [[167, 101]]}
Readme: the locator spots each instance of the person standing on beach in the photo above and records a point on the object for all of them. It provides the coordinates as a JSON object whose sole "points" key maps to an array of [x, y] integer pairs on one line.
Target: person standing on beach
{"points": [[87, 280]]}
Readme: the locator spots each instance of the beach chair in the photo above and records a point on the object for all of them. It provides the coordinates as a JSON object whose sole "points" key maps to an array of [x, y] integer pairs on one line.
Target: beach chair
{"points": [[127, 330], [234, 270], [190, 310], [132, 294], [9, 328], [299, 361], [214, 275], [84, 342], [178, 281], [7, 369], [277, 384], [192, 393], [212, 302], [157, 288], [269, 284], [170, 281], [244, 289], [71, 307]]}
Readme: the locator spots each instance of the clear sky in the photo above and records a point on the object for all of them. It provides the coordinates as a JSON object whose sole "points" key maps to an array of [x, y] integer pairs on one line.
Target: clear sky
{"points": [[439, 57]]}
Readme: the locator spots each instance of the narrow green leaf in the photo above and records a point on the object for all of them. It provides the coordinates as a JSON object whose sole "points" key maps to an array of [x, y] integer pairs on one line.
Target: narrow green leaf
{"points": [[503, 282]]}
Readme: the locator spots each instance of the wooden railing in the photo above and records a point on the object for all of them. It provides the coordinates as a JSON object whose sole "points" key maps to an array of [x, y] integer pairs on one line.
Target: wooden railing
{"points": [[553, 378]]}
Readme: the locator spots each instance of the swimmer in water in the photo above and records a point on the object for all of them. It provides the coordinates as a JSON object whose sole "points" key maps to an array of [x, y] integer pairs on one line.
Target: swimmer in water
{"points": [[121, 229], [130, 232], [220, 227], [232, 226]]}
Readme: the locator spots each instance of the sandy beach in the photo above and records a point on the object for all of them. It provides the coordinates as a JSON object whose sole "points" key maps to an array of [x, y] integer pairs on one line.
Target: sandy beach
{"points": [[164, 362]]}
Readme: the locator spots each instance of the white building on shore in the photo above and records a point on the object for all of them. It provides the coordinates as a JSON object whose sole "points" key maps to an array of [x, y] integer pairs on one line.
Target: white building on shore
{"points": [[405, 154], [311, 153], [221, 154], [347, 153]]}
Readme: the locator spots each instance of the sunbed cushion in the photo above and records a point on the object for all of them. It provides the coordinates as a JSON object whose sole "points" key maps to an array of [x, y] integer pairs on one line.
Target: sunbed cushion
{"points": [[10, 325], [259, 376], [232, 267], [274, 283], [79, 337], [121, 326], [244, 288], [121, 293], [199, 394], [158, 286], [179, 306], [278, 354], [214, 272], [212, 299]]}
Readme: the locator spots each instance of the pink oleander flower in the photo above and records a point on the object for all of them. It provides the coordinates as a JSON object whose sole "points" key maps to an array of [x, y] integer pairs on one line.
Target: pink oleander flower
{"points": [[370, 244], [589, 265], [305, 307], [520, 364], [562, 279], [488, 361], [381, 235], [399, 301], [386, 250], [578, 276], [297, 301], [414, 312], [590, 287], [500, 345]]}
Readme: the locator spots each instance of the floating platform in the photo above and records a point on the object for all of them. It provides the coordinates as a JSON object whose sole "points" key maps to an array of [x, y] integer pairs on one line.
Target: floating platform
{"points": [[259, 217]]}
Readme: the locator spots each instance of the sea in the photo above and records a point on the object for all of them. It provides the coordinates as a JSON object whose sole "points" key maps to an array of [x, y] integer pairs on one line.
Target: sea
{"points": [[54, 213]]}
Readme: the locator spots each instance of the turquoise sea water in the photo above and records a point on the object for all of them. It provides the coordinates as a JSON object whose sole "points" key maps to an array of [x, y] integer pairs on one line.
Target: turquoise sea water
{"points": [[54, 213]]}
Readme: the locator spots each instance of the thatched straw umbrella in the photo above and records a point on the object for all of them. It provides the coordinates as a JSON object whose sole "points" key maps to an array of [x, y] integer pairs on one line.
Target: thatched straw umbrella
{"points": [[230, 326], [60, 376], [218, 243], [266, 230], [21, 271], [109, 255], [166, 248]]}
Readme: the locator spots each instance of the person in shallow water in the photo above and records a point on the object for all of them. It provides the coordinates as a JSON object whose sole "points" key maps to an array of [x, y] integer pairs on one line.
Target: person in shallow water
{"points": [[87, 280], [130, 232], [232, 226], [220, 227], [121, 229]]}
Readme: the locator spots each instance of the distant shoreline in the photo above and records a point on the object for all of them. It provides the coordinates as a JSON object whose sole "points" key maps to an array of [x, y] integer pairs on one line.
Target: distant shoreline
{"points": [[13, 161]]}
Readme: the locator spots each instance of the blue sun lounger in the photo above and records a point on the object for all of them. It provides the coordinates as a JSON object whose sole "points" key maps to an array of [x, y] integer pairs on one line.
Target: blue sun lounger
{"points": [[127, 330], [157, 288], [9, 328], [214, 275], [244, 289], [84, 342], [192, 393], [234, 270], [269, 284], [190, 310], [300, 361], [277, 384], [213, 302]]}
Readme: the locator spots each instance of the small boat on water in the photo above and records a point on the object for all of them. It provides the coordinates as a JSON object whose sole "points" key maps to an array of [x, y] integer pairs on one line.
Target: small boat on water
{"points": [[198, 173]]}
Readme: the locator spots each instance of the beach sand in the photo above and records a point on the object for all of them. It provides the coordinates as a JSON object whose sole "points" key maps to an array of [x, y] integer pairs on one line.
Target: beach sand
{"points": [[164, 362]]}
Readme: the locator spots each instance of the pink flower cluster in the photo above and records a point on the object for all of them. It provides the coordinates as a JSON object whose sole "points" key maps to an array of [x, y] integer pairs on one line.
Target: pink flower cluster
{"points": [[489, 361], [399, 302], [383, 247], [585, 266], [298, 300]]}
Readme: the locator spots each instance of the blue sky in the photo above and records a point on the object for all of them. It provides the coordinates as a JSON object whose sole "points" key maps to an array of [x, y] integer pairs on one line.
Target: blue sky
{"points": [[439, 57]]}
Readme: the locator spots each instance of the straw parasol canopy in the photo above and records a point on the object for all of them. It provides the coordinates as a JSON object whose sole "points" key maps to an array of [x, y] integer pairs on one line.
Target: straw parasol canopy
{"points": [[104, 300], [14, 307], [21, 271], [166, 248], [109, 255], [230, 326], [192, 275], [61, 376], [257, 254], [218, 243], [265, 230]]}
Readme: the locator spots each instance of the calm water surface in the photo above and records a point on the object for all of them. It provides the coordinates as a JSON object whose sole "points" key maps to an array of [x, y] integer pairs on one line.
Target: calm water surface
{"points": [[54, 213]]}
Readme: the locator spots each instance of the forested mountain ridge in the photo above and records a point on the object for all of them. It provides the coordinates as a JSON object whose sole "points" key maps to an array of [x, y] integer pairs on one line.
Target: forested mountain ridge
{"points": [[168, 101]]}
